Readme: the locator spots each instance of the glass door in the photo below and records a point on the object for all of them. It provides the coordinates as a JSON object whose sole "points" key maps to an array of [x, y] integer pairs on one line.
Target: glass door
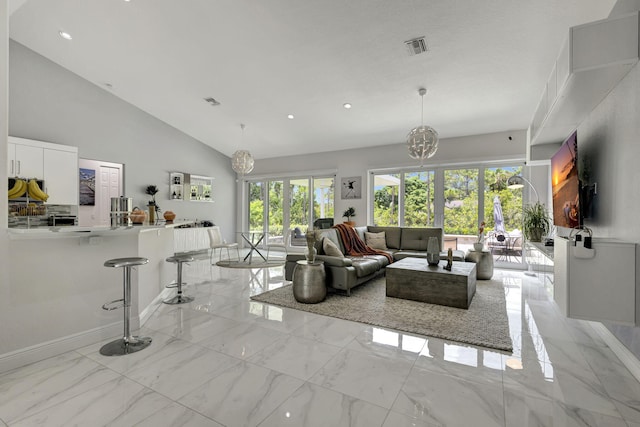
{"points": [[275, 213], [299, 204], [503, 215], [256, 206], [419, 199], [323, 198], [461, 207]]}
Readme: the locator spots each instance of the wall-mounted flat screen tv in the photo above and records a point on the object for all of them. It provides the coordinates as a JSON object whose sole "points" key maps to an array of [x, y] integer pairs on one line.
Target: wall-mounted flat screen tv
{"points": [[566, 185]]}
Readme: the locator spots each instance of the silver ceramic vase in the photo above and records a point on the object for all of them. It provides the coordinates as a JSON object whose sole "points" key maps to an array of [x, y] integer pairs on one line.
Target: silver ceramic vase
{"points": [[433, 251]]}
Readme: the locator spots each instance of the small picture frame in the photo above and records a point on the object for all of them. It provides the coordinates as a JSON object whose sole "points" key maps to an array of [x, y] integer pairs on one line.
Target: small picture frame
{"points": [[351, 187]]}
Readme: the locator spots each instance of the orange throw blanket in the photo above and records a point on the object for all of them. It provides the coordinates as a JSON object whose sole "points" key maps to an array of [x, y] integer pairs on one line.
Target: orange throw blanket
{"points": [[354, 245]]}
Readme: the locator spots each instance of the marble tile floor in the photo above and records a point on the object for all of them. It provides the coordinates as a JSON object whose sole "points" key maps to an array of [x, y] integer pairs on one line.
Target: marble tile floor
{"points": [[224, 360]]}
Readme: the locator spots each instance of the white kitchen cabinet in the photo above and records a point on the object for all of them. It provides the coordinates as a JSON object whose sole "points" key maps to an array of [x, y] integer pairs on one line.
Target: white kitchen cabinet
{"points": [[596, 285], [24, 160], [61, 175], [56, 164]]}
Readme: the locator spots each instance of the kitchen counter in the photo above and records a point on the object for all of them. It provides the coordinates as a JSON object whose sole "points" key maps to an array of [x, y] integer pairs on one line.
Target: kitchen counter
{"points": [[57, 284], [79, 231]]}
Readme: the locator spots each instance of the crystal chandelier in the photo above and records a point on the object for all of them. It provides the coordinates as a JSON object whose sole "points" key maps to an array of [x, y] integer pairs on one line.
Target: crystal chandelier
{"points": [[241, 160], [422, 141]]}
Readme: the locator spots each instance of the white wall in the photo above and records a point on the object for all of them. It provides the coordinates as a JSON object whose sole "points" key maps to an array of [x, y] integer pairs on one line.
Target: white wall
{"points": [[5, 318], [357, 162], [608, 139], [49, 103]]}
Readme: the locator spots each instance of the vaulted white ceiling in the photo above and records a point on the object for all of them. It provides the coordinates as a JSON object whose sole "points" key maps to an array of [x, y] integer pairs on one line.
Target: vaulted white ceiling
{"points": [[485, 69]]}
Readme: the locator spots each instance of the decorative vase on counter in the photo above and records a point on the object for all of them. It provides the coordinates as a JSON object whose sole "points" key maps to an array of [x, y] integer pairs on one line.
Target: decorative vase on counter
{"points": [[433, 251], [169, 216], [478, 247], [137, 216], [152, 213]]}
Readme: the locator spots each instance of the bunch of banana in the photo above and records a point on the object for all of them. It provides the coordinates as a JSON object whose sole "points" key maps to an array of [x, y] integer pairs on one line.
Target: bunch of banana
{"points": [[18, 189], [35, 192]]}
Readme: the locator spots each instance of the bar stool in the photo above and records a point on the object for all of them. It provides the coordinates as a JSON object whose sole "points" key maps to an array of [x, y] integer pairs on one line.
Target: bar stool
{"points": [[128, 343], [179, 259]]}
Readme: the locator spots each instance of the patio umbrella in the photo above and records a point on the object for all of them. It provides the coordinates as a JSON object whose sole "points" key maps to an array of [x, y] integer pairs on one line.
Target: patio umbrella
{"points": [[498, 219]]}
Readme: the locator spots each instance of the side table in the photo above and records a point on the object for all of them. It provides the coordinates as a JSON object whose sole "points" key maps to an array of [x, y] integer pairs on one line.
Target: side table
{"points": [[484, 263], [309, 282]]}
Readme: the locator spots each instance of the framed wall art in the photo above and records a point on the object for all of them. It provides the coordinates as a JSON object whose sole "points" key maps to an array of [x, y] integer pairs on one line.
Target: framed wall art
{"points": [[351, 187]]}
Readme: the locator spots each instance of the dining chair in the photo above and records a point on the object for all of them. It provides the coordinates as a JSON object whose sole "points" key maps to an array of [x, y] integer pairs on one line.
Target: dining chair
{"points": [[216, 241], [279, 244]]}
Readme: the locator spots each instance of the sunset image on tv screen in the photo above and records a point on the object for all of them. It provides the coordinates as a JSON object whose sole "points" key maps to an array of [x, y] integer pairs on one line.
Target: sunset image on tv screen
{"points": [[565, 185]]}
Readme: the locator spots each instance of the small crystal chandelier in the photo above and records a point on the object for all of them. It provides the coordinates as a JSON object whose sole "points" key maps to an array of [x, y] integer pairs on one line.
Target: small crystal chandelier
{"points": [[422, 141], [241, 160]]}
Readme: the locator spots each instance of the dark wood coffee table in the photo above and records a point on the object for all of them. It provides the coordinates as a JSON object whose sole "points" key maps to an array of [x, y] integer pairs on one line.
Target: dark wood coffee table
{"points": [[415, 279]]}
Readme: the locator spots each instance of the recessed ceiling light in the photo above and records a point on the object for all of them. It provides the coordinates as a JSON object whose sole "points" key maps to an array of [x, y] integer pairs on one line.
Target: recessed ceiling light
{"points": [[346, 105], [65, 35], [290, 117]]}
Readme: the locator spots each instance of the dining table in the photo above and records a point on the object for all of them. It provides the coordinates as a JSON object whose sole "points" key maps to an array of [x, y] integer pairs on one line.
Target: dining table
{"points": [[253, 239]]}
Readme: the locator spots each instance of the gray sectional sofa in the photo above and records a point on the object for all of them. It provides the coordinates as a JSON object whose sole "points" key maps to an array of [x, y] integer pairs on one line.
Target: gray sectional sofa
{"points": [[345, 273]]}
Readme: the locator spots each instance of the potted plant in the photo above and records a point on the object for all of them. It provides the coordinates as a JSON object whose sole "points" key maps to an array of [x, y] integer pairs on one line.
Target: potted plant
{"points": [[535, 222], [348, 214]]}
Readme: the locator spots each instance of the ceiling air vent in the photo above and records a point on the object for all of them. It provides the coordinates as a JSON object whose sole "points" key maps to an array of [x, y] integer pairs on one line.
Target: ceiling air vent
{"points": [[212, 101], [416, 46]]}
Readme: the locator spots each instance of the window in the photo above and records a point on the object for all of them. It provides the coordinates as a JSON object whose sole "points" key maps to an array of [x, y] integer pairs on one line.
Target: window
{"points": [[385, 199], [269, 212], [299, 203], [456, 199], [276, 209], [323, 198], [419, 199], [461, 202], [256, 206]]}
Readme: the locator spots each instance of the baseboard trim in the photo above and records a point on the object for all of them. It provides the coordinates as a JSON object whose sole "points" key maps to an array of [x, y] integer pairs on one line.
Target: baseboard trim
{"points": [[45, 350], [628, 359], [38, 352], [153, 305]]}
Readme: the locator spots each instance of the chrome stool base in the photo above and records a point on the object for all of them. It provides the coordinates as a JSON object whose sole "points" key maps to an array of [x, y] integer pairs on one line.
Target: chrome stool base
{"points": [[127, 344], [120, 347], [178, 283], [178, 299]]}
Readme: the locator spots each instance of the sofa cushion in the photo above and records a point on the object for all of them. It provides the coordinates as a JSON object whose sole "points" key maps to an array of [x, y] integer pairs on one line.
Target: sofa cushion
{"points": [[361, 230], [331, 248], [382, 260], [365, 266], [332, 235], [416, 239], [392, 235], [376, 240]]}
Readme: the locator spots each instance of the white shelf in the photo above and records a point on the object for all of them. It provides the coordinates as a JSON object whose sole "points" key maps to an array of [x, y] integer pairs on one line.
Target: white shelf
{"points": [[595, 57]]}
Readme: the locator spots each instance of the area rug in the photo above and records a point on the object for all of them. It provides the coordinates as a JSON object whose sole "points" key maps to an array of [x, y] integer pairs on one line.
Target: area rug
{"points": [[253, 264], [484, 324]]}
